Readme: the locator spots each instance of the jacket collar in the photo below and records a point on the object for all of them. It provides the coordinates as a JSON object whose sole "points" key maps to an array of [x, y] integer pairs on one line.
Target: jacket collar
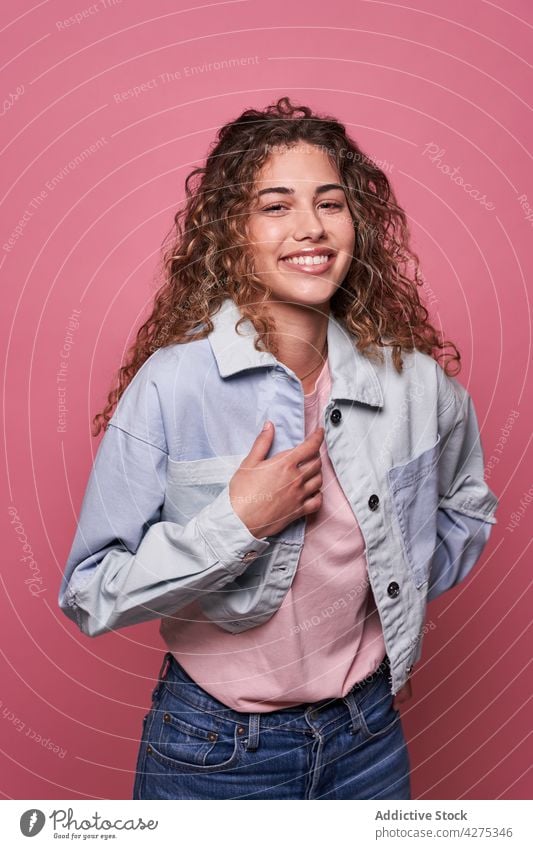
{"points": [[353, 376]]}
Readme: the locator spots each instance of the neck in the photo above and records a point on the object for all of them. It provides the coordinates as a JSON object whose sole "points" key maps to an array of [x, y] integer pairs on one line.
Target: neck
{"points": [[301, 336]]}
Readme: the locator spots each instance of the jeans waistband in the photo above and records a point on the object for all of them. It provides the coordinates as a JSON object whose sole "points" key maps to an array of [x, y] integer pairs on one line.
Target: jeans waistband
{"points": [[200, 699]]}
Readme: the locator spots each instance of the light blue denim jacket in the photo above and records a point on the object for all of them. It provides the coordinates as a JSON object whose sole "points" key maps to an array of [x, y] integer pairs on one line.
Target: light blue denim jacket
{"points": [[157, 529]]}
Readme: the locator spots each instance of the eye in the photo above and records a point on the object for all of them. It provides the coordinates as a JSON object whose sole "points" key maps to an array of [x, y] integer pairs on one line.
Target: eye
{"points": [[276, 207]]}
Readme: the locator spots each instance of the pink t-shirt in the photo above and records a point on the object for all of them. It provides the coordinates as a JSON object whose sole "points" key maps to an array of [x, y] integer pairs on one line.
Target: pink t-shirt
{"points": [[326, 635]]}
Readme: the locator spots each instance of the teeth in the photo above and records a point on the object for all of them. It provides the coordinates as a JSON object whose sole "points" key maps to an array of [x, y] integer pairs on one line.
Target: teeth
{"points": [[307, 260]]}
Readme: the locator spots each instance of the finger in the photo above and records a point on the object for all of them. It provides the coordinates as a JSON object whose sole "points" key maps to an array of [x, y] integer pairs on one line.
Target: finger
{"points": [[310, 444], [312, 485], [310, 467]]}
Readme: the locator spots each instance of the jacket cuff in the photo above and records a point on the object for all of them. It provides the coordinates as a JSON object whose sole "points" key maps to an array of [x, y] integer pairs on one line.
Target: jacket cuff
{"points": [[481, 506], [226, 534]]}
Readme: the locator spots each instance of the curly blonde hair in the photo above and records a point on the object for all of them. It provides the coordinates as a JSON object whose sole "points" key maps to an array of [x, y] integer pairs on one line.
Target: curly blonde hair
{"points": [[210, 257]]}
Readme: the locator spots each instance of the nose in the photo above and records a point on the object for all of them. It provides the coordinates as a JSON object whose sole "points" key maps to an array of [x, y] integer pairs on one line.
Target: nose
{"points": [[308, 224]]}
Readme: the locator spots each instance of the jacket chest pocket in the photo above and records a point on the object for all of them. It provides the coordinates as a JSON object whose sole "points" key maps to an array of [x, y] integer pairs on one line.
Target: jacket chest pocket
{"points": [[193, 484], [414, 489]]}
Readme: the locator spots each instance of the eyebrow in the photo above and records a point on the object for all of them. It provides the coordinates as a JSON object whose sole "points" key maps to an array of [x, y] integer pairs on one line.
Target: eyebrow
{"points": [[284, 190]]}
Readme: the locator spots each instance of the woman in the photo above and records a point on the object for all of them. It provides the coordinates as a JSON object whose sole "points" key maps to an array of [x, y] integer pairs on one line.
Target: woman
{"points": [[290, 566]]}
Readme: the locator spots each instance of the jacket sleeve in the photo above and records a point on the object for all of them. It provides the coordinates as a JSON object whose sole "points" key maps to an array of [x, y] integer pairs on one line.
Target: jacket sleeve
{"points": [[126, 566], [466, 509]]}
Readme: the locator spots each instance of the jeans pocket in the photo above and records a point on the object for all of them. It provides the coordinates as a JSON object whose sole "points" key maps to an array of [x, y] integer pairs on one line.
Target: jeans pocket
{"points": [[189, 740], [377, 714]]}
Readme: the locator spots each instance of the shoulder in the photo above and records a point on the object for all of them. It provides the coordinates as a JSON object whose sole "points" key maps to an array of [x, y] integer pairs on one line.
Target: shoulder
{"points": [[417, 367], [166, 367], [424, 375], [452, 401], [150, 397]]}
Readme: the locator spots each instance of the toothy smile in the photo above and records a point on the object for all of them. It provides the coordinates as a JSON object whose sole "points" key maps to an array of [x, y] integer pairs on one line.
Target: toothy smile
{"points": [[307, 260], [313, 261]]}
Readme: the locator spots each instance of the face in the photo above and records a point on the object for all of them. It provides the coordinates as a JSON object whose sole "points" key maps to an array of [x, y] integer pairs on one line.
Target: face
{"points": [[300, 227]]}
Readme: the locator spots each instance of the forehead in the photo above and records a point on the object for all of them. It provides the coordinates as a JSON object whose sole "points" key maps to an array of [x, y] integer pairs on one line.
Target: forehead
{"points": [[297, 166]]}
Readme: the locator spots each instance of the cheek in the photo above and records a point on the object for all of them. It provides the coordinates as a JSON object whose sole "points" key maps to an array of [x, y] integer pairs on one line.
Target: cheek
{"points": [[346, 236], [266, 240], [256, 242], [346, 241]]}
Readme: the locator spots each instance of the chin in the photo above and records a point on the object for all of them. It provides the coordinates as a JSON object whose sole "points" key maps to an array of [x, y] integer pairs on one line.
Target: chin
{"points": [[309, 293], [304, 299]]}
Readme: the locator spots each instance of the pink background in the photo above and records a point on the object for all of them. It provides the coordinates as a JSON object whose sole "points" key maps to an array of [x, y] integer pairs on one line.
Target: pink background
{"points": [[454, 75]]}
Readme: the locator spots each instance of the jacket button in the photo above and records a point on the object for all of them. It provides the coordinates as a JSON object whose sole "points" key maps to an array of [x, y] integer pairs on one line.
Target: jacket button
{"points": [[373, 502], [393, 589], [409, 669], [249, 556], [336, 416]]}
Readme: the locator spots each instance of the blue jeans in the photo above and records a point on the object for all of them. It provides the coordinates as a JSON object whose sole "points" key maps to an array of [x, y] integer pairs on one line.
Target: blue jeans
{"points": [[195, 747]]}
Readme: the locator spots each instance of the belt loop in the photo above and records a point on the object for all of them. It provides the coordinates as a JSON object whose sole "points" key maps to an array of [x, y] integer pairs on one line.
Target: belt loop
{"points": [[253, 732], [165, 666], [351, 703], [162, 674]]}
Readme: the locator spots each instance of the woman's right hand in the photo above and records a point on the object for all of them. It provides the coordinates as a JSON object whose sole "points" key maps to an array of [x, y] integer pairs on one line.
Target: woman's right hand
{"points": [[268, 495]]}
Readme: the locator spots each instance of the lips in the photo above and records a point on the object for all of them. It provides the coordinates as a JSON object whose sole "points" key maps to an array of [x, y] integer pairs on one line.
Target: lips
{"points": [[323, 251], [309, 262]]}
